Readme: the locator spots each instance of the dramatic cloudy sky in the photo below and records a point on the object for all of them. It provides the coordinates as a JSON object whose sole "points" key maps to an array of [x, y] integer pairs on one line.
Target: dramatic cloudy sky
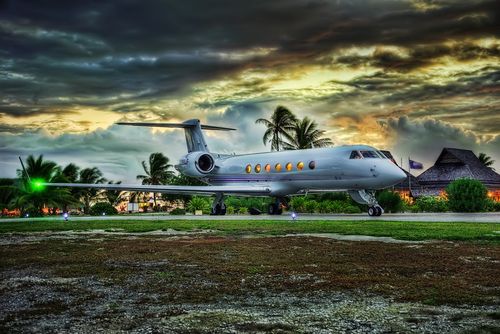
{"points": [[410, 76]]}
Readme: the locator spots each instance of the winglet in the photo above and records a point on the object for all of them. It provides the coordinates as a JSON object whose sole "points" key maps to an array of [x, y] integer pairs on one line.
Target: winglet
{"points": [[24, 169]]}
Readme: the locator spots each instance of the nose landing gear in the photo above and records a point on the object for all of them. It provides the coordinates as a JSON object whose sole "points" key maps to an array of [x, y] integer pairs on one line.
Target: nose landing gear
{"points": [[375, 211], [276, 208]]}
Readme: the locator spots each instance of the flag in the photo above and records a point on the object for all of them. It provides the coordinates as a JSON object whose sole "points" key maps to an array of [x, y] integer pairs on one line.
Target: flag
{"points": [[415, 164]]}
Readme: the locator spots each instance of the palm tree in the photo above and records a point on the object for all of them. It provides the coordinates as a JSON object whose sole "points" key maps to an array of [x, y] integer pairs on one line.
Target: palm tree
{"points": [[70, 174], [89, 175], [305, 134], [157, 172], [32, 196], [281, 122], [114, 196], [486, 160]]}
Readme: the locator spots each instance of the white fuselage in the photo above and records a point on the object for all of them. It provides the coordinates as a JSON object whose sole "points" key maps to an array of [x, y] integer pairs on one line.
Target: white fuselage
{"points": [[334, 170]]}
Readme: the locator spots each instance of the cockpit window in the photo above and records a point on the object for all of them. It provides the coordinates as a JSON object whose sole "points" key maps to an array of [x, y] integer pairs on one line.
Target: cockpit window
{"points": [[355, 155], [380, 154], [369, 154]]}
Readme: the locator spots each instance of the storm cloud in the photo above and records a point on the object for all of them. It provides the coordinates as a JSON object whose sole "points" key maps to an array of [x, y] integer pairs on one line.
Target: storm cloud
{"points": [[70, 68]]}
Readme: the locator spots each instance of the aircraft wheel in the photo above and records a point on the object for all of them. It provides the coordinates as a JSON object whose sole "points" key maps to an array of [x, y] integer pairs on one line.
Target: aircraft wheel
{"points": [[378, 211], [274, 209], [216, 210], [222, 210], [372, 211]]}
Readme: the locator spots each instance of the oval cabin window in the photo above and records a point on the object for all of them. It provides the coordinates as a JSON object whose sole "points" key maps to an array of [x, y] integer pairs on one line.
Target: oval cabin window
{"points": [[248, 168], [288, 166], [268, 168], [257, 168], [278, 167], [312, 165], [300, 166]]}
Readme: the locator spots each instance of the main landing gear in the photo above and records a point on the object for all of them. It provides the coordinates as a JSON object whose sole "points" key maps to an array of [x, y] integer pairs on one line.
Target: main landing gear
{"points": [[218, 206], [276, 208]]}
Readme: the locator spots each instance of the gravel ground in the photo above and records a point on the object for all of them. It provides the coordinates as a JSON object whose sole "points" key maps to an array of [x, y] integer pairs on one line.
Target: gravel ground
{"points": [[40, 297]]}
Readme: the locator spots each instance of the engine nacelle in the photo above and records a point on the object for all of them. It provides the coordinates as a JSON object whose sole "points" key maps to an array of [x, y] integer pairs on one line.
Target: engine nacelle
{"points": [[196, 164]]}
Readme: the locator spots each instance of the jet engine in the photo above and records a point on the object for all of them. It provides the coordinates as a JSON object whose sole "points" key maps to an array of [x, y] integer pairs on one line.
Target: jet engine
{"points": [[197, 164]]}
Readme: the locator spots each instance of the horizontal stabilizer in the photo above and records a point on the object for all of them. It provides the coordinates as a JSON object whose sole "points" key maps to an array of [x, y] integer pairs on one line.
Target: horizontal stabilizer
{"points": [[177, 125]]}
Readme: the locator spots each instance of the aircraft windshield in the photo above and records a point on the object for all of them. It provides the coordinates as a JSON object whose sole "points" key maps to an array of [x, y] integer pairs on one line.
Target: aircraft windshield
{"points": [[369, 154], [355, 155]]}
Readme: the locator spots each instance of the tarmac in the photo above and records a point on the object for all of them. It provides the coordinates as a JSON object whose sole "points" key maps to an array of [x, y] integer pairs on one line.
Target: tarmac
{"points": [[490, 217]]}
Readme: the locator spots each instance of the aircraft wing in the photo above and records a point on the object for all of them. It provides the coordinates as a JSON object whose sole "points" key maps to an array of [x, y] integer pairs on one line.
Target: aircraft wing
{"points": [[168, 189]]}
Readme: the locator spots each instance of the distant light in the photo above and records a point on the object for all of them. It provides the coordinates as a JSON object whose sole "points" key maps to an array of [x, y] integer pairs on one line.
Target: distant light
{"points": [[294, 215], [27, 215], [38, 184], [104, 213], [65, 215]]}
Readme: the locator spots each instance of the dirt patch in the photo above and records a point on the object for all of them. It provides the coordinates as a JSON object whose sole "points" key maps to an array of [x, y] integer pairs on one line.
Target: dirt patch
{"points": [[199, 283]]}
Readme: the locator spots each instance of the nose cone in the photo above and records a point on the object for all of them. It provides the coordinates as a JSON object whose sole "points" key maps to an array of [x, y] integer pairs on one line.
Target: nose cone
{"points": [[396, 174]]}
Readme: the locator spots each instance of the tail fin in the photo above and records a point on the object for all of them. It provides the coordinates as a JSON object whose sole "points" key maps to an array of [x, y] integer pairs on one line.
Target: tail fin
{"points": [[192, 129]]}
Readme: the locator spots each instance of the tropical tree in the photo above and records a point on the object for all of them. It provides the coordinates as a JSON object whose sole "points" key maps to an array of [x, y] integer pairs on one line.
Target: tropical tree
{"points": [[157, 172], [114, 196], [8, 193], [70, 174], [94, 176], [182, 180], [33, 196], [305, 134], [486, 160], [282, 121]]}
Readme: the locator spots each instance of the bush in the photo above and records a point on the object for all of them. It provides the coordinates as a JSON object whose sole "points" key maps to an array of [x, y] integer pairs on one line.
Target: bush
{"points": [[230, 210], [311, 206], [325, 207], [352, 209], [430, 204], [31, 212], [198, 203], [466, 195], [242, 211], [298, 204], [390, 201], [178, 211], [101, 208]]}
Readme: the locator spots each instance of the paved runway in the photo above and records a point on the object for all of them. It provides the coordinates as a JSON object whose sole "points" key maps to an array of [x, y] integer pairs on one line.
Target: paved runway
{"points": [[418, 217]]}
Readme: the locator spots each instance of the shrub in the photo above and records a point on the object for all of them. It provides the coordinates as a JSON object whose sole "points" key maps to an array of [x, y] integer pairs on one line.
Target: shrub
{"points": [[178, 211], [311, 206], [243, 210], [31, 212], [325, 206], [230, 210], [431, 204], [390, 201], [298, 204], [466, 195], [198, 203], [352, 209], [101, 208]]}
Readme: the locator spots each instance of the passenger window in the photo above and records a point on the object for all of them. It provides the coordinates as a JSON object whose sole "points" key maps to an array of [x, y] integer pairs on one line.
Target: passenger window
{"points": [[300, 166], [278, 167], [268, 168], [288, 166], [248, 168], [355, 155], [369, 154], [257, 168], [312, 165]]}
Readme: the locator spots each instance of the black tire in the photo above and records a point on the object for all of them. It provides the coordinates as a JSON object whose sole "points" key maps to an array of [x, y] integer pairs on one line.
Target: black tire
{"points": [[271, 209], [223, 211], [279, 211], [378, 211], [372, 211], [215, 210]]}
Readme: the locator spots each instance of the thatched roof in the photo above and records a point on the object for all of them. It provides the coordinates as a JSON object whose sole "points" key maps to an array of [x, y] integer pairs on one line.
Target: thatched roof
{"points": [[453, 164]]}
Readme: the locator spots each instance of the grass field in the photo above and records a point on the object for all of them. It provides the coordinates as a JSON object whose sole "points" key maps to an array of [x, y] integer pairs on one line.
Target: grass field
{"points": [[488, 232]]}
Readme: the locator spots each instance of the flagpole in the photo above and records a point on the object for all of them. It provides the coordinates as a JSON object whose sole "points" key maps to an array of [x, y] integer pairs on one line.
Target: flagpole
{"points": [[409, 176]]}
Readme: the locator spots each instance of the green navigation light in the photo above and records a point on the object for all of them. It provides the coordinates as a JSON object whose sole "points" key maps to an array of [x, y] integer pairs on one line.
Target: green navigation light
{"points": [[38, 184]]}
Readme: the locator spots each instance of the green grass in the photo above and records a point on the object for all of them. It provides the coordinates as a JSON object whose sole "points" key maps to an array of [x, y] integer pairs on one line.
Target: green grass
{"points": [[489, 232]]}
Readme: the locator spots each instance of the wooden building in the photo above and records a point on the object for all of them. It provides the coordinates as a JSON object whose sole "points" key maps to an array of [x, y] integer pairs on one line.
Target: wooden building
{"points": [[453, 164]]}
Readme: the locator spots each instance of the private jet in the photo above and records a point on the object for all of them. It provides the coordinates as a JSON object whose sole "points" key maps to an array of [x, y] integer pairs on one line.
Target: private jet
{"points": [[359, 170]]}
